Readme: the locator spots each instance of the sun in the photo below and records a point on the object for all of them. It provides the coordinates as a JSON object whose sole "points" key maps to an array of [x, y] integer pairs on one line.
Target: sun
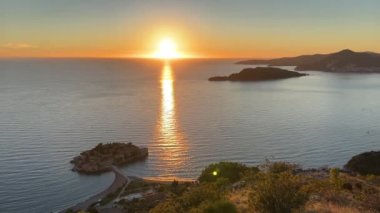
{"points": [[167, 49]]}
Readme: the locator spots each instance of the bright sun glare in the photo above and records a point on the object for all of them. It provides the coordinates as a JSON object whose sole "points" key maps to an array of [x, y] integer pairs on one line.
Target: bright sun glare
{"points": [[167, 49]]}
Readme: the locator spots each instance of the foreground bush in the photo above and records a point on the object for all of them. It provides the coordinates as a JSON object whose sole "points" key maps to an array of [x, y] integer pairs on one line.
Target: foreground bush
{"points": [[220, 206], [277, 193], [335, 179], [204, 192], [169, 206], [278, 167], [190, 200]]}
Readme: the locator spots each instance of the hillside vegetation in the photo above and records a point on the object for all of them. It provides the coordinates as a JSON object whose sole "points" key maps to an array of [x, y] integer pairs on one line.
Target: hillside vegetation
{"points": [[275, 187]]}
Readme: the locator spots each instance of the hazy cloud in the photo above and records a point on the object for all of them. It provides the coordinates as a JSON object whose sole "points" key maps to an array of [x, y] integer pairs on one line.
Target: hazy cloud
{"points": [[18, 46]]}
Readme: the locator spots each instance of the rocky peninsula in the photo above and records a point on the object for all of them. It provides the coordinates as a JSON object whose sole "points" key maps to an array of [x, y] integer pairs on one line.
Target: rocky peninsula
{"points": [[367, 163], [258, 74], [345, 61], [101, 158]]}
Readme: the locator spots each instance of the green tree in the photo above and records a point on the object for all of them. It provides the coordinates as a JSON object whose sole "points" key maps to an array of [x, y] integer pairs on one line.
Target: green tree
{"points": [[229, 170]]}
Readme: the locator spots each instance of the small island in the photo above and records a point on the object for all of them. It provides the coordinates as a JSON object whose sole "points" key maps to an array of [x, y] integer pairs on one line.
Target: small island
{"points": [[258, 74], [101, 158]]}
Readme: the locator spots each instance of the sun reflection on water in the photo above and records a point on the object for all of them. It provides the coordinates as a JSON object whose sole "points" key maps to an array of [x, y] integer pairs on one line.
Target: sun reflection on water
{"points": [[170, 143], [167, 102]]}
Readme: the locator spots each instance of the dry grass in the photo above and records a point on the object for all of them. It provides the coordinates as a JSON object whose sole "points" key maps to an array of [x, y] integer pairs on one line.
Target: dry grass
{"points": [[327, 199], [328, 207], [239, 197]]}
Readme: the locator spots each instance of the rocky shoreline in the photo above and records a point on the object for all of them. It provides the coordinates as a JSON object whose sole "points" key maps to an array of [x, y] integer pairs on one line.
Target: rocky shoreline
{"points": [[101, 158]]}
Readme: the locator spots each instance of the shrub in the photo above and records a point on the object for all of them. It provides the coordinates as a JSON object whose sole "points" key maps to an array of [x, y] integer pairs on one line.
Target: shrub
{"points": [[335, 179], [190, 200], [229, 170], [279, 167], [221, 183], [174, 183], [370, 177], [194, 197], [372, 202], [177, 188], [358, 186], [220, 206], [169, 206], [347, 186], [277, 193]]}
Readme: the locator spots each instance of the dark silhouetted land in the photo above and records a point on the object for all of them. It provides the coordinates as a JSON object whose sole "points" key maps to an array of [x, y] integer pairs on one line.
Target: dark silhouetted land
{"points": [[258, 74], [367, 163], [286, 61]]}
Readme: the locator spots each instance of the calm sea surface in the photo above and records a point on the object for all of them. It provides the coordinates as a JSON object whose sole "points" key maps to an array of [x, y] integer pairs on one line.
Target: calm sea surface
{"points": [[51, 110]]}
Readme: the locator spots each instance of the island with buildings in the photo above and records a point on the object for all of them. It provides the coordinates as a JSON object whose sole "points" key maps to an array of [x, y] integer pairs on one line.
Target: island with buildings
{"points": [[103, 156]]}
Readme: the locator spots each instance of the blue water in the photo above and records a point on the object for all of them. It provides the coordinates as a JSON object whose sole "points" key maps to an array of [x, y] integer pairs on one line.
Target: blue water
{"points": [[51, 110]]}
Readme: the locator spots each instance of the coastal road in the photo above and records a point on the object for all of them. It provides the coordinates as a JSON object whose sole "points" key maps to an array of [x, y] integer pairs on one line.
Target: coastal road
{"points": [[119, 181], [125, 186], [110, 204]]}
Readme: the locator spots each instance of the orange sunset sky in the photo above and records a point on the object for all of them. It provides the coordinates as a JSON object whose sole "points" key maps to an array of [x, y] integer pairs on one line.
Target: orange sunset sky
{"points": [[218, 29]]}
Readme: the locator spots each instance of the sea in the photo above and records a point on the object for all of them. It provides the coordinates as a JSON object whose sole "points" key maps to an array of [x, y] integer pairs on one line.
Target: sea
{"points": [[53, 109]]}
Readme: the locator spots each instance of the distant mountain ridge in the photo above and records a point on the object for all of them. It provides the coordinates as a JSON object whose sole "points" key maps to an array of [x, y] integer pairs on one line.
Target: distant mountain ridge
{"points": [[286, 61], [342, 61]]}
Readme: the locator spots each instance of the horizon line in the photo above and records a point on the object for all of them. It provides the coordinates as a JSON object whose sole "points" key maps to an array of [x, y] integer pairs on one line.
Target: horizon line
{"points": [[174, 59], [124, 57]]}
